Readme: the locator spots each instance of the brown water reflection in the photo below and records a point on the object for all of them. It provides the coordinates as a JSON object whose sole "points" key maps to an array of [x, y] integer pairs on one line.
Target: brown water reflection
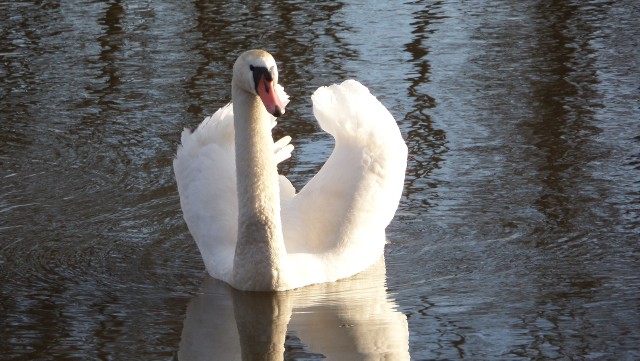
{"points": [[517, 237]]}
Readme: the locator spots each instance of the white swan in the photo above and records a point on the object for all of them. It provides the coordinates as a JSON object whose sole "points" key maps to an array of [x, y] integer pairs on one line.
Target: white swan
{"points": [[253, 231]]}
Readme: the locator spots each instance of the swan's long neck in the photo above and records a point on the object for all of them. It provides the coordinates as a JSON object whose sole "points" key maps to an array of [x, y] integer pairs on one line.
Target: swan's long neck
{"points": [[260, 252]]}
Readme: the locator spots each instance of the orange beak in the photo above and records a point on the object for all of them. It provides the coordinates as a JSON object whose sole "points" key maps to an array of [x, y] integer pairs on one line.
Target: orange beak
{"points": [[269, 97]]}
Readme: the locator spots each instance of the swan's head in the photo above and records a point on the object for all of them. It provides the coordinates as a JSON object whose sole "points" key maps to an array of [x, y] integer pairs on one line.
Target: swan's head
{"points": [[256, 72]]}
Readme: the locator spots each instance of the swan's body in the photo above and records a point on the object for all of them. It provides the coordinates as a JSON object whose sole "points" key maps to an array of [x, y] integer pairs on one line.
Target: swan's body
{"points": [[253, 231]]}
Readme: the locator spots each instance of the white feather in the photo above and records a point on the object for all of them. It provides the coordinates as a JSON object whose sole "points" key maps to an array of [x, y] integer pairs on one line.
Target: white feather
{"points": [[335, 226]]}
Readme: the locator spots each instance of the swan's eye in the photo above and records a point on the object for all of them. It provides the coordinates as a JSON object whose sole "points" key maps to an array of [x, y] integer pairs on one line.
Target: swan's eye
{"points": [[251, 67]]}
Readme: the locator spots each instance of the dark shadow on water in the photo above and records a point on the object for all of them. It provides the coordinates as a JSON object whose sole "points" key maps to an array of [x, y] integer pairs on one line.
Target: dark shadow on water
{"points": [[353, 319]]}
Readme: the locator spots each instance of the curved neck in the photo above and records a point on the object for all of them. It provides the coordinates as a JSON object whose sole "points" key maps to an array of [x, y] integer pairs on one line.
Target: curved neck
{"points": [[260, 246]]}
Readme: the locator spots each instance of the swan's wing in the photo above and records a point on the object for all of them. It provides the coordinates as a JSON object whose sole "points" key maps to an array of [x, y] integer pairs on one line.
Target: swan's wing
{"points": [[206, 177], [343, 211]]}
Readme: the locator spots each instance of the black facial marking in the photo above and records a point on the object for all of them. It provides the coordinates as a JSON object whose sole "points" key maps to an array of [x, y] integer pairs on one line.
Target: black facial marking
{"points": [[259, 71]]}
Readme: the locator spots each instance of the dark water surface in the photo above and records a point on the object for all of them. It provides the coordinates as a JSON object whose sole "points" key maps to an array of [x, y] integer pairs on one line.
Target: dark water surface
{"points": [[517, 236]]}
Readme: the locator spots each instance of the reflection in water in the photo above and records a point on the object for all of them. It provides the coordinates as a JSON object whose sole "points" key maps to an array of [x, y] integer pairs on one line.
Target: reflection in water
{"points": [[428, 143], [352, 319], [563, 124], [111, 43], [525, 96]]}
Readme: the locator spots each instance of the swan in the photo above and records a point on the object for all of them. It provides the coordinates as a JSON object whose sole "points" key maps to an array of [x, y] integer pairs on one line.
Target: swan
{"points": [[253, 230]]}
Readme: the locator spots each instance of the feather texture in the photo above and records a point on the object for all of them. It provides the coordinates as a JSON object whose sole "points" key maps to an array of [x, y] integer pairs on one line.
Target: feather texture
{"points": [[334, 227]]}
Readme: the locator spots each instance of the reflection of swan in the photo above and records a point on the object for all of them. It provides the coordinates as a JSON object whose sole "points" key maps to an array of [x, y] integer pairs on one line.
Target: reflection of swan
{"points": [[352, 319], [257, 234]]}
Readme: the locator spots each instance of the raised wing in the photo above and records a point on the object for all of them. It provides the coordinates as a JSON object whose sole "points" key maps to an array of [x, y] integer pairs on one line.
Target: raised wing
{"points": [[343, 211]]}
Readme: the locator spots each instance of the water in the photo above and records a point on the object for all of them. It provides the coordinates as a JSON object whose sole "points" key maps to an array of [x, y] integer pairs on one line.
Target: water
{"points": [[516, 237]]}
